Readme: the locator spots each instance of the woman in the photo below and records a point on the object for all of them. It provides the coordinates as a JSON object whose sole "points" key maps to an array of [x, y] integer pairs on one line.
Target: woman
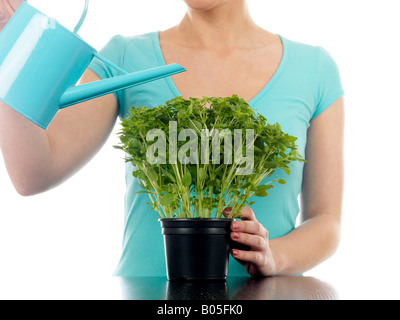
{"points": [[225, 53]]}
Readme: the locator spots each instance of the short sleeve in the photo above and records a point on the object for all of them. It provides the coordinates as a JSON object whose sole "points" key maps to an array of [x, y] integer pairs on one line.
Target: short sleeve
{"points": [[113, 51], [329, 84]]}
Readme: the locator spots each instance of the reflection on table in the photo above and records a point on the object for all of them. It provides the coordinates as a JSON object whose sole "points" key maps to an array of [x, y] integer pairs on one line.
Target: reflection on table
{"points": [[234, 288]]}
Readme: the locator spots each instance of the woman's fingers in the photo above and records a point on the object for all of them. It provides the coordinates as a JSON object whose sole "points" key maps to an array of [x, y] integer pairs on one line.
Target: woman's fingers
{"points": [[247, 214], [254, 257], [250, 232], [255, 241], [249, 224], [253, 227], [226, 212]]}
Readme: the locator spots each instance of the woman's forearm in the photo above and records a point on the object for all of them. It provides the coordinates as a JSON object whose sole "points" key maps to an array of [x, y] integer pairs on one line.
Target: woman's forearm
{"points": [[321, 197], [38, 159], [315, 240]]}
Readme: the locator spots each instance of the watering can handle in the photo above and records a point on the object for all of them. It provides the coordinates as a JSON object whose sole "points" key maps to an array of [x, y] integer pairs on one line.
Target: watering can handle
{"points": [[83, 16], [78, 26]]}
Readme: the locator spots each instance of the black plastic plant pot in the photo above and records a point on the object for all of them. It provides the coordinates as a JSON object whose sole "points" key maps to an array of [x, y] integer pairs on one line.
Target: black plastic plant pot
{"points": [[196, 249]]}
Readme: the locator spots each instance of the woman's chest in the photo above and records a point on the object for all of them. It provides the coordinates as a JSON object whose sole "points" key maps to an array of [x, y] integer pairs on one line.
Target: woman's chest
{"points": [[223, 73]]}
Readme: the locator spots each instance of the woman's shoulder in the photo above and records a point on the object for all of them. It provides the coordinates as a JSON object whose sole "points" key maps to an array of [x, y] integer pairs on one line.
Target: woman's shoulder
{"points": [[303, 52], [300, 49], [135, 51], [139, 40]]}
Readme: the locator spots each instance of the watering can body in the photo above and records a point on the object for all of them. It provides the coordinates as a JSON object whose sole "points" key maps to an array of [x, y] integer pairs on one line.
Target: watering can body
{"points": [[40, 61]]}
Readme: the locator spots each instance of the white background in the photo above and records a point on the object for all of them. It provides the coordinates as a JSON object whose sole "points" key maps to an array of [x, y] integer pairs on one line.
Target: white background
{"points": [[75, 230]]}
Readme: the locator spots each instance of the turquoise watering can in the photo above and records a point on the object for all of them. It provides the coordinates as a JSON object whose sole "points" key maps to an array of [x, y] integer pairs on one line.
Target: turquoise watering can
{"points": [[41, 61]]}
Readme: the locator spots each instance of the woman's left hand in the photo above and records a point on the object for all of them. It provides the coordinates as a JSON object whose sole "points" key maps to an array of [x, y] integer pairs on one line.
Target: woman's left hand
{"points": [[259, 261]]}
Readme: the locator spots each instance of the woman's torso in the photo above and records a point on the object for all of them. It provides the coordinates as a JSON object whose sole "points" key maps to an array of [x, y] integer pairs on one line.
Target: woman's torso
{"points": [[300, 83]]}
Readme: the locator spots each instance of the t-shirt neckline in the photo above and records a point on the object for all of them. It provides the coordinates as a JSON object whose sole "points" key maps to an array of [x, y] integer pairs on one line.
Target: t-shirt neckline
{"points": [[257, 97]]}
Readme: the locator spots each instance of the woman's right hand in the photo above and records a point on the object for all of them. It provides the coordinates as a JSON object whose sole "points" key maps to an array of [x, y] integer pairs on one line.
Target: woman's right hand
{"points": [[7, 9]]}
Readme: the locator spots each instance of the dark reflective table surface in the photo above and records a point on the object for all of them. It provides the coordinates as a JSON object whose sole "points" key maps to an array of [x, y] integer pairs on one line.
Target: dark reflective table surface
{"points": [[234, 288], [91, 287]]}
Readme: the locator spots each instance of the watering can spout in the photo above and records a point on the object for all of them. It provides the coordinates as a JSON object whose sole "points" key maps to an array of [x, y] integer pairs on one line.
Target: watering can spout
{"points": [[96, 89]]}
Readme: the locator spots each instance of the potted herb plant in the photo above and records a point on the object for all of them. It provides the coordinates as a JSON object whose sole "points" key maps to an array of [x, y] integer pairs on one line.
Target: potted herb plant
{"points": [[194, 158]]}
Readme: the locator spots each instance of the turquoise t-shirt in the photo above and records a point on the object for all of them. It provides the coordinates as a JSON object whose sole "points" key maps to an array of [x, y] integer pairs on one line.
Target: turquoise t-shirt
{"points": [[306, 82]]}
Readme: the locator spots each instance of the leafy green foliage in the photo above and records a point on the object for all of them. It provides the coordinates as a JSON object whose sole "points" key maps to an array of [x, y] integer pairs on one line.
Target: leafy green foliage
{"points": [[203, 188]]}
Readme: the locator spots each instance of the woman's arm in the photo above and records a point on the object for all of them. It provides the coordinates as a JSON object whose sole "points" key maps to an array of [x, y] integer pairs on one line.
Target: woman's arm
{"points": [[38, 159], [317, 237]]}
